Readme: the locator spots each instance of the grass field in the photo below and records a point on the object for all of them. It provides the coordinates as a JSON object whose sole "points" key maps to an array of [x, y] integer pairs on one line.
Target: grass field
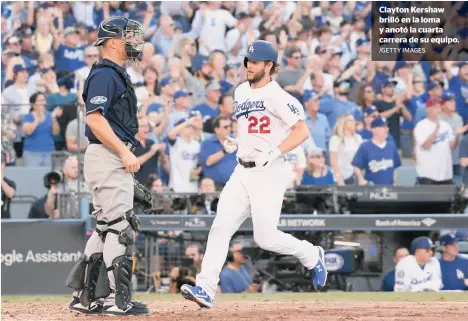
{"points": [[368, 306]]}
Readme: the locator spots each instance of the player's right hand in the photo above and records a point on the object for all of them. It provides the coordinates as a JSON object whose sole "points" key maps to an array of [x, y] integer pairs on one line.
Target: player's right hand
{"points": [[130, 161], [230, 145]]}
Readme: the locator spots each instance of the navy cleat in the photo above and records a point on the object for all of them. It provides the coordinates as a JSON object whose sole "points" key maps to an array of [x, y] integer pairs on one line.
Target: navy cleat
{"points": [[197, 295], [319, 272]]}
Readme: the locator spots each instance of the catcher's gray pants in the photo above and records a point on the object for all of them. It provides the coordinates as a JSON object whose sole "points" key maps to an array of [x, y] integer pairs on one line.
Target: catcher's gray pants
{"points": [[112, 191]]}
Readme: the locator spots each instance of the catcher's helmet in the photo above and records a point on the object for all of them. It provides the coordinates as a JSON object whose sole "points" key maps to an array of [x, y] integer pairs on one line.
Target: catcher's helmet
{"points": [[130, 31], [261, 50]]}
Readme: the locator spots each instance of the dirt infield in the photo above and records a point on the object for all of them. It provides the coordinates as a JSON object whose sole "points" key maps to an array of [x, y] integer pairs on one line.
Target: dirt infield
{"points": [[261, 308]]}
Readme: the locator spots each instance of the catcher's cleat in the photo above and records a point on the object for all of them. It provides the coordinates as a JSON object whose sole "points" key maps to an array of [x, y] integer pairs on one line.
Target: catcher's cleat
{"points": [[76, 306], [133, 308]]}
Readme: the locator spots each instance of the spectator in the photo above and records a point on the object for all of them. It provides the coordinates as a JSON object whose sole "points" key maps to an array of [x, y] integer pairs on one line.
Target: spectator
{"points": [[161, 203], [76, 140], [416, 102], [148, 152], [377, 157], [451, 117], [38, 209], [216, 163], [184, 151], [235, 277], [148, 93], [27, 44], [217, 61], [226, 108], [388, 282], [194, 252], [44, 78], [434, 90], [163, 36], [434, 143], [16, 96], [358, 92], [205, 203], [69, 54], [333, 108], [317, 172], [370, 113], [168, 89], [67, 101], [210, 108], [289, 76], [453, 267], [366, 96], [238, 38], [91, 55], [343, 146], [8, 190], [457, 85], [187, 50], [295, 162], [212, 23], [420, 271], [464, 158], [39, 126], [317, 122], [391, 107], [232, 79], [43, 37], [182, 103]]}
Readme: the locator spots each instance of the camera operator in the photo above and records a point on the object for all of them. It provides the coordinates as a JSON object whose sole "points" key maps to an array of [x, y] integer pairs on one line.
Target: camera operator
{"points": [[205, 203], [161, 202], [63, 183], [191, 266], [38, 208], [235, 277]]}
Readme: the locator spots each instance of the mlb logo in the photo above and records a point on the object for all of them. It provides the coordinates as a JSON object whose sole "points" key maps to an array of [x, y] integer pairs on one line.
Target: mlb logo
{"points": [[251, 48]]}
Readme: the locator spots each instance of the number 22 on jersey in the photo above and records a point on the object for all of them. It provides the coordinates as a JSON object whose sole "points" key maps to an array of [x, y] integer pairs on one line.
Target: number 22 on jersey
{"points": [[259, 125]]}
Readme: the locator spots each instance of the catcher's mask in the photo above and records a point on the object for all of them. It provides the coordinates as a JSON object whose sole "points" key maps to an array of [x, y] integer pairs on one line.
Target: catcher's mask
{"points": [[130, 31]]}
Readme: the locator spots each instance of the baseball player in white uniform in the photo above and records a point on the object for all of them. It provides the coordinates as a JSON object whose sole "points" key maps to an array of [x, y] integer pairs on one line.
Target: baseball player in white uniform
{"points": [[419, 272], [270, 124]]}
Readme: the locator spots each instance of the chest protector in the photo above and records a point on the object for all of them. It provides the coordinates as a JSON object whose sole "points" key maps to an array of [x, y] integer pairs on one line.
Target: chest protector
{"points": [[123, 112]]}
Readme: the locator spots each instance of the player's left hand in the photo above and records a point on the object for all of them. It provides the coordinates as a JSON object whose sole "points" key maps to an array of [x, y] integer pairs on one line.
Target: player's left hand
{"points": [[267, 157], [230, 145]]}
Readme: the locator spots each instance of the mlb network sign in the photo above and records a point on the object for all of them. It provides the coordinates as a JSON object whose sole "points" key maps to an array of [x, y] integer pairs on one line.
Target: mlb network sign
{"points": [[37, 255]]}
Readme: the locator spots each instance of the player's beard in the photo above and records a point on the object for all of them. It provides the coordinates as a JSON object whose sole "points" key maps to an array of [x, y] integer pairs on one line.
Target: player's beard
{"points": [[257, 77]]}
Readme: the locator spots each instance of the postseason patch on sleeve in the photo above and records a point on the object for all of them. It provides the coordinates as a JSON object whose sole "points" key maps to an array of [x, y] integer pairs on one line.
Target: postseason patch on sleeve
{"points": [[97, 100]]}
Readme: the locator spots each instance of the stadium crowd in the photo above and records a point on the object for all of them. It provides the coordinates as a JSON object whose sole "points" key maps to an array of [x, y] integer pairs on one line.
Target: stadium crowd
{"points": [[365, 117]]}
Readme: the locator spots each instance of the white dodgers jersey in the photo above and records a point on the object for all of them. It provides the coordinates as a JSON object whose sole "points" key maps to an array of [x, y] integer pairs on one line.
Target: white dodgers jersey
{"points": [[410, 277], [264, 116]]}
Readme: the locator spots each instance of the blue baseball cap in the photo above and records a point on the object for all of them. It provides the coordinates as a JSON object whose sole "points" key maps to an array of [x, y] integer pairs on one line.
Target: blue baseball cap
{"points": [[310, 94], [447, 97], [369, 110], [181, 93], [448, 239], [165, 81], [379, 122], [432, 84], [462, 63], [422, 242], [18, 68]]}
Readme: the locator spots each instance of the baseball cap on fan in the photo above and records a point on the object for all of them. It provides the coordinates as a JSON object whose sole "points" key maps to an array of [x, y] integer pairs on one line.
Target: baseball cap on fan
{"points": [[433, 102]]}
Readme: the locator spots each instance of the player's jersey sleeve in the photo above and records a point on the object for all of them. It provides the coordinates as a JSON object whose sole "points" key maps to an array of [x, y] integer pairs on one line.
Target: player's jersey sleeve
{"points": [[289, 110], [100, 87], [403, 276]]}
